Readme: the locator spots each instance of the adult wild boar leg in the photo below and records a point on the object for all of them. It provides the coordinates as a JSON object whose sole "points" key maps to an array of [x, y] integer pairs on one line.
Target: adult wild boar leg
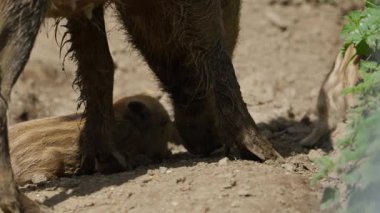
{"points": [[231, 19], [184, 43], [19, 24], [231, 23], [95, 80]]}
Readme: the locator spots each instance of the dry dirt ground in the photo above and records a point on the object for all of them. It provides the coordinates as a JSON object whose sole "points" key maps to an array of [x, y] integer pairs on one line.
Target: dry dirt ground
{"points": [[284, 51]]}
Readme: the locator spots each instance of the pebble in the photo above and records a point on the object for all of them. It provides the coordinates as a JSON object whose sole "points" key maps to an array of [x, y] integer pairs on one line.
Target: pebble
{"points": [[147, 179], [129, 194], [277, 20], [69, 191], [163, 170], [185, 188], [244, 193], [38, 178], [314, 154], [150, 172], [224, 161], [180, 180], [288, 167], [230, 184], [40, 198]]}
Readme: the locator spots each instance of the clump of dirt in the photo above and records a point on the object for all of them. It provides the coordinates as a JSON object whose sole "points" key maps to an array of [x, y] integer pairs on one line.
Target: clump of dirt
{"points": [[285, 49]]}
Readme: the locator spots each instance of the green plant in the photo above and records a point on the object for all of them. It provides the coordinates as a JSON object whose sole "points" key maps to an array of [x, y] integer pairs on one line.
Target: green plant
{"points": [[359, 163], [363, 29]]}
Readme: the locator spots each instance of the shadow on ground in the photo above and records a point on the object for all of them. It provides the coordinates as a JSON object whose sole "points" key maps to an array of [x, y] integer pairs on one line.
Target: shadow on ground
{"points": [[285, 134], [84, 185]]}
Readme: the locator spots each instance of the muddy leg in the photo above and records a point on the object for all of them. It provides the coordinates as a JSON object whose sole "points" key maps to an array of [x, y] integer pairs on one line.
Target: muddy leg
{"points": [[95, 81], [187, 51], [19, 24]]}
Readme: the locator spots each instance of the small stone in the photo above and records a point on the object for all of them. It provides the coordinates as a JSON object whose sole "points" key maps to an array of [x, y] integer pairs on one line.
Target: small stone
{"points": [[147, 179], [230, 184], [288, 167], [314, 154], [185, 188], [222, 195], [69, 191], [244, 193], [89, 204], [150, 172], [180, 180], [277, 20], [223, 161], [40, 198], [38, 178], [163, 169], [129, 194]]}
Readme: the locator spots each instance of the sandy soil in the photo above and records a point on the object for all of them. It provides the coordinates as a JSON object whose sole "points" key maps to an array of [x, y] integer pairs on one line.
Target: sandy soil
{"points": [[285, 49]]}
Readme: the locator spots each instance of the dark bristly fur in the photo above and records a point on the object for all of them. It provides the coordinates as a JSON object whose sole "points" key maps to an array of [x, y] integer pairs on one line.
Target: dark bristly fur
{"points": [[187, 43], [19, 24]]}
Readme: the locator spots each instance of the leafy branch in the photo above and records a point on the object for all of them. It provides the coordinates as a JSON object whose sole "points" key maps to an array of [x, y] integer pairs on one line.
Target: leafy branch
{"points": [[358, 165]]}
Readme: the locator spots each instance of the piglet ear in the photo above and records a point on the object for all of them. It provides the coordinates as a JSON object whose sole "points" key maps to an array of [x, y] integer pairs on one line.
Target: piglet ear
{"points": [[139, 110]]}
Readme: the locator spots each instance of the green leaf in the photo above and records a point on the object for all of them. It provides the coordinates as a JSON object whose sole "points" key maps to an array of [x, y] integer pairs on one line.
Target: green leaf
{"points": [[326, 165], [358, 165], [372, 3], [329, 198], [362, 48]]}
